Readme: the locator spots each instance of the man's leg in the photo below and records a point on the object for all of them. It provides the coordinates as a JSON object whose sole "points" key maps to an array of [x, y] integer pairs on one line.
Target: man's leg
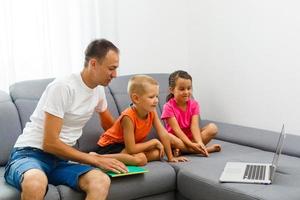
{"points": [[34, 185], [95, 183]]}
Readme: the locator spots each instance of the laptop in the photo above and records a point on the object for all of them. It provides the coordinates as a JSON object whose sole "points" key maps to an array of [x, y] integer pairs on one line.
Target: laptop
{"points": [[261, 173]]}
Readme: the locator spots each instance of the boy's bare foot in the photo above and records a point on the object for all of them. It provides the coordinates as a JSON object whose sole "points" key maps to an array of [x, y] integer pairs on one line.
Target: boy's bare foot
{"points": [[214, 148], [176, 152]]}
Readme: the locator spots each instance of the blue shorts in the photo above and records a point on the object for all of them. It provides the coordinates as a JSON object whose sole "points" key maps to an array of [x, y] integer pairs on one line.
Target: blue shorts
{"points": [[58, 171]]}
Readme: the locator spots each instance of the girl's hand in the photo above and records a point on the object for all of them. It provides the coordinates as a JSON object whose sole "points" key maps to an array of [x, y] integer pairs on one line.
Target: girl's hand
{"points": [[178, 159], [199, 148], [203, 147]]}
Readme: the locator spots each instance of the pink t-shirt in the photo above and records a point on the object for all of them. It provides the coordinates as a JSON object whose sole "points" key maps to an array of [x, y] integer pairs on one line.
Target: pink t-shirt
{"points": [[184, 118]]}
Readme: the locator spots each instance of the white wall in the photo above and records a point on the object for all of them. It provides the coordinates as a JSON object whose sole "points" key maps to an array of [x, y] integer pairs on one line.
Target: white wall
{"points": [[246, 57], [243, 55], [152, 35]]}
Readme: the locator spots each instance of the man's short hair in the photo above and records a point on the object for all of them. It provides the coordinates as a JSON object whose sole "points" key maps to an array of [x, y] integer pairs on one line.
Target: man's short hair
{"points": [[98, 49], [137, 84]]}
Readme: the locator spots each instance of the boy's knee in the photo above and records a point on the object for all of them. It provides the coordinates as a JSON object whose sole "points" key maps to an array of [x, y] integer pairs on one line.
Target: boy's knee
{"points": [[141, 159]]}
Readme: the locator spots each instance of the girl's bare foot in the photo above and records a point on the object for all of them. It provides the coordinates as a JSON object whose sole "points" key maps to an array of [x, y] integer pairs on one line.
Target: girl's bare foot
{"points": [[214, 148]]}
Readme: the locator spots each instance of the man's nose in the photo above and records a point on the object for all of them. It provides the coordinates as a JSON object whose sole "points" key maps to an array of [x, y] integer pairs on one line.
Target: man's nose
{"points": [[114, 74]]}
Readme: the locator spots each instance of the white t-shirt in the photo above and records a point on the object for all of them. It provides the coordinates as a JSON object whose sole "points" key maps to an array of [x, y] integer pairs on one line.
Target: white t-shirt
{"points": [[69, 99]]}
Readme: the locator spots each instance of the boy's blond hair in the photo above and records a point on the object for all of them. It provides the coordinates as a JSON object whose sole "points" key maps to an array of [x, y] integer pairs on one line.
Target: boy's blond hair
{"points": [[137, 84]]}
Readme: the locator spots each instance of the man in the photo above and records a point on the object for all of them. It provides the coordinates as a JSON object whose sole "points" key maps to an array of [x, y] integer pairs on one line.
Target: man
{"points": [[41, 154]]}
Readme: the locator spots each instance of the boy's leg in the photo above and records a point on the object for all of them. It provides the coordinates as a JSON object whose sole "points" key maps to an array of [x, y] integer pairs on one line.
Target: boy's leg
{"points": [[118, 152], [152, 155]]}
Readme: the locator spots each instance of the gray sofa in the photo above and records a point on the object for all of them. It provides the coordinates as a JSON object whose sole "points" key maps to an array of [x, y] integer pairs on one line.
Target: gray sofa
{"points": [[197, 179]]}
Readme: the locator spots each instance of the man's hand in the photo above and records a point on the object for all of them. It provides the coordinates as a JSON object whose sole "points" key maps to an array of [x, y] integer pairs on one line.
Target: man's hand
{"points": [[110, 164]]}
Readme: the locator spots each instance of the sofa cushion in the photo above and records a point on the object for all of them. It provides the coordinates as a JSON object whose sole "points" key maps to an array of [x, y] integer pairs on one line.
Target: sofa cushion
{"points": [[10, 126], [199, 178], [161, 178]]}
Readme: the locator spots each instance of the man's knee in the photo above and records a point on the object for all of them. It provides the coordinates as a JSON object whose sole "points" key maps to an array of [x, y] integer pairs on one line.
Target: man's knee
{"points": [[34, 181], [94, 180]]}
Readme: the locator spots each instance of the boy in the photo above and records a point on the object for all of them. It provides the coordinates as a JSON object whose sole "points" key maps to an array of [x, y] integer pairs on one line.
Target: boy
{"points": [[125, 140]]}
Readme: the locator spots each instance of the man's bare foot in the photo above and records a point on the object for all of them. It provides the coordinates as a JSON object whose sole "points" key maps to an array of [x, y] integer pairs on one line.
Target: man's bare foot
{"points": [[214, 148], [176, 152]]}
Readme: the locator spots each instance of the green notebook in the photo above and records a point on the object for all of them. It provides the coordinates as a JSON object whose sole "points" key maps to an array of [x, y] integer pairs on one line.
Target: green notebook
{"points": [[131, 170]]}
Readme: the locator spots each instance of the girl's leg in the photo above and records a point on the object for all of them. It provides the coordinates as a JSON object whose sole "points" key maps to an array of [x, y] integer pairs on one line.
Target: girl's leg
{"points": [[179, 146], [208, 132]]}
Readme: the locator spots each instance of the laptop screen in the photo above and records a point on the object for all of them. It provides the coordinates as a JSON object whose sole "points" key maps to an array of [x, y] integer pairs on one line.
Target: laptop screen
{"points": [[278, 151]]}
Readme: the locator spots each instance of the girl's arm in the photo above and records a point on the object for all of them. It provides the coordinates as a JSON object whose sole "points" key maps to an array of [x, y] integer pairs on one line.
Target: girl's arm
{"points": [[178, 132], [196, 132], [196, 129], [181, 135], [130, 146]]}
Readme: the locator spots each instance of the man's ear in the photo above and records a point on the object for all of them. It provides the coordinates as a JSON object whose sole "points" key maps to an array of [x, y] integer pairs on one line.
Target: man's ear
{"points": [[92, 62]]}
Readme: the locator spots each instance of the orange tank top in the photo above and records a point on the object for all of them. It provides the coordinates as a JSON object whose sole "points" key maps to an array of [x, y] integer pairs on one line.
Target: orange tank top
{"points": [[114, 134]]}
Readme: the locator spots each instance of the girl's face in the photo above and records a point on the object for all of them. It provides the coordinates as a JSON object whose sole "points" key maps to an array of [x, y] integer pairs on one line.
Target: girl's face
{"points": [[182, 90]]}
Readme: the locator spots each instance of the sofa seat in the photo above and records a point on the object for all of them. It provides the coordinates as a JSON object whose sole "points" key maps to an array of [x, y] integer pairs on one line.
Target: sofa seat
{"points": [[161, 179], [198, 179]]}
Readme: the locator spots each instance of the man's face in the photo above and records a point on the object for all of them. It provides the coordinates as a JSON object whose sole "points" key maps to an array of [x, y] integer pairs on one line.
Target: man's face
{"points": [[106, 69]]}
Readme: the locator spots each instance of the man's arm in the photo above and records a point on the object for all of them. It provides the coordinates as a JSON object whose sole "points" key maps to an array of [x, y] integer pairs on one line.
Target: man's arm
{"points": [[106, 119], [52, 144]]}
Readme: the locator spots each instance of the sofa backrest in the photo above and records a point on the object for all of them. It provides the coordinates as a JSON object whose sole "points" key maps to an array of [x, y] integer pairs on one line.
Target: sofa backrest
{"points": [[10, 126], [258, 138]]}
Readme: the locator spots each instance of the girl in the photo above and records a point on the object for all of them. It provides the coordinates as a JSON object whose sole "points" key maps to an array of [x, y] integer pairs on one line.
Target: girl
{"points": [[181, 116]]}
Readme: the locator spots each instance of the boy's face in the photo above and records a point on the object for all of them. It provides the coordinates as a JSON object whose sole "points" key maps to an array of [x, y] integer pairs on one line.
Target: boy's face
{"points": [[182, 90], [149, 99]]}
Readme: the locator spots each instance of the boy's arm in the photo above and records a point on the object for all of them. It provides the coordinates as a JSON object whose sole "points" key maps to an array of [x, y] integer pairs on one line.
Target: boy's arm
{"points": [[52, 144], [163, 136], [106, 119], [130, 146]]}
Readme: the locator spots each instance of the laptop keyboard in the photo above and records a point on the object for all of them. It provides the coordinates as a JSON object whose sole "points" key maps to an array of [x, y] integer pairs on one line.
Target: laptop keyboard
{"points": [[255, 172]]}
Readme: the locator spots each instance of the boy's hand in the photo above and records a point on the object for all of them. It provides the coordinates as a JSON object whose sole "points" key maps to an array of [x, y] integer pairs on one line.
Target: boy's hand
{"points": [[160, 147], [178, 159]]}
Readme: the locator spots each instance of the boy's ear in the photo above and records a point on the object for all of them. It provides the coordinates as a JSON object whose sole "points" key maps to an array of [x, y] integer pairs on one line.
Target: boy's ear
{"points": [[134, 98]]}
